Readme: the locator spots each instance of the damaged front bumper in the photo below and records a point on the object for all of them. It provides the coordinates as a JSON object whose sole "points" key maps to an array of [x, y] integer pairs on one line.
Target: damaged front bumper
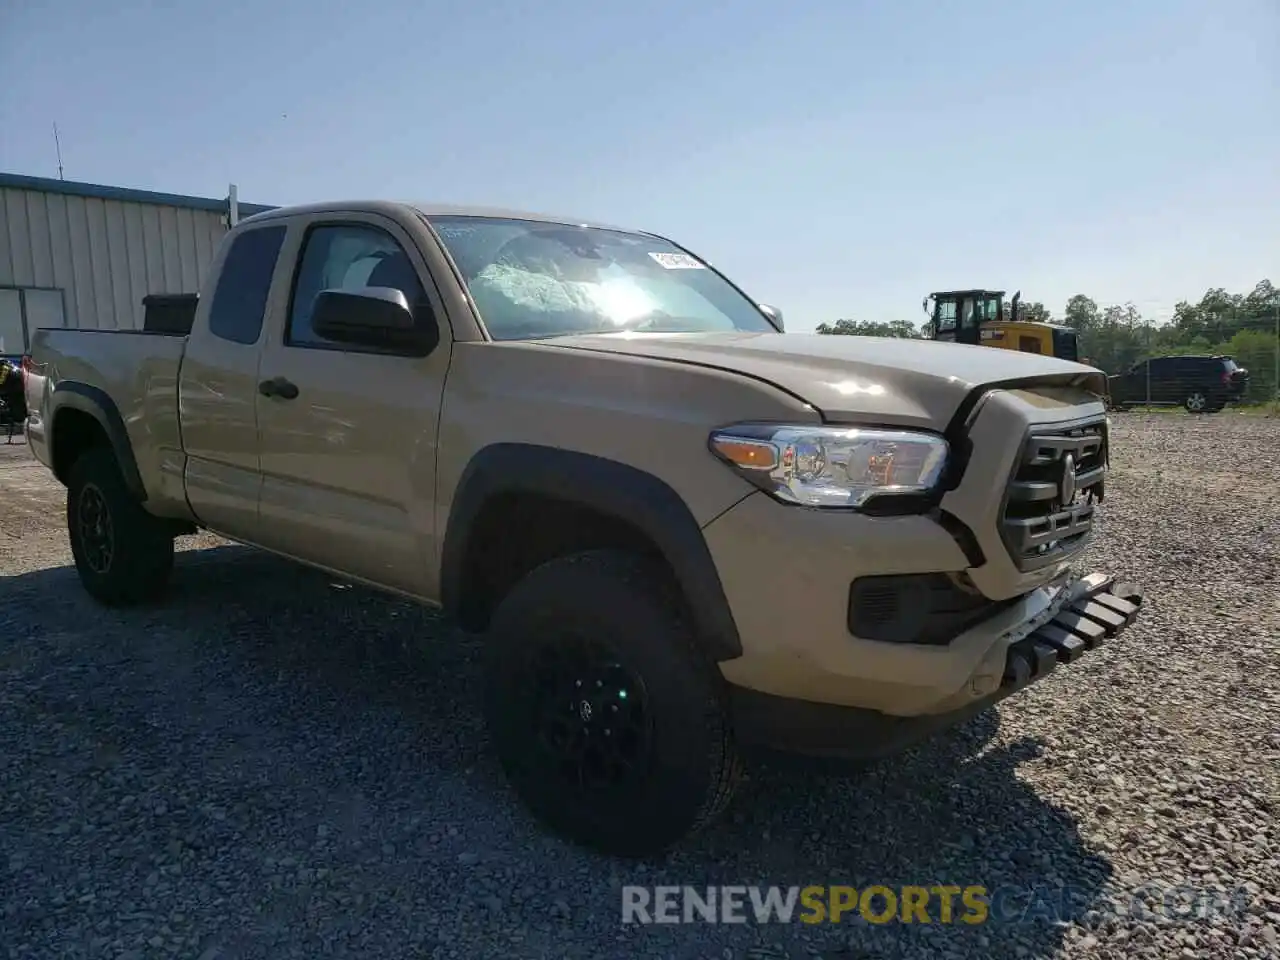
{"points": [[1084, 614], [1095, 609]]}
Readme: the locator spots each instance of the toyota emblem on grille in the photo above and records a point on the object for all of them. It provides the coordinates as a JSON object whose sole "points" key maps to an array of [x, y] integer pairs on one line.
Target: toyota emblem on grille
{"points": [[1067, 483]]}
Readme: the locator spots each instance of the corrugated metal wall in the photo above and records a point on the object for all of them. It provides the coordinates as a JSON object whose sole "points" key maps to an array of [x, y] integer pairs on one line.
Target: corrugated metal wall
{"points": [[105, 255]]}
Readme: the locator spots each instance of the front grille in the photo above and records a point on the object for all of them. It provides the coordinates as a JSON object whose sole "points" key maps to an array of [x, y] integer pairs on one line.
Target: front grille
{"points": [[1056, 483]]}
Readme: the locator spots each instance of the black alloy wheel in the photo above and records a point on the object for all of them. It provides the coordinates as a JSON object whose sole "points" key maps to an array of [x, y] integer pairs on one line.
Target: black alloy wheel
{"points": [[97, 533]]}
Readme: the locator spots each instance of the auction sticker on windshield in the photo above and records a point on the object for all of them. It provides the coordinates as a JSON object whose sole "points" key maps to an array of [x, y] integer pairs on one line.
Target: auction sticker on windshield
{"points": [[678, 261]]}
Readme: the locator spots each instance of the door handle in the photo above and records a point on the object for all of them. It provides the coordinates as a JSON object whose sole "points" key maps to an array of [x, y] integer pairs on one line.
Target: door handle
{"points": [[278, 387]]}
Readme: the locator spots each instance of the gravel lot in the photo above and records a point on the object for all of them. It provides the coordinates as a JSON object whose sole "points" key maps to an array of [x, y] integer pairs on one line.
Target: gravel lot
{"points": [[273, 765]]}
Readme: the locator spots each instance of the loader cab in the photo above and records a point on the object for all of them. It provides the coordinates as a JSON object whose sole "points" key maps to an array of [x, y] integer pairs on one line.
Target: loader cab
{"points": [[979, 317], [958, 316]]}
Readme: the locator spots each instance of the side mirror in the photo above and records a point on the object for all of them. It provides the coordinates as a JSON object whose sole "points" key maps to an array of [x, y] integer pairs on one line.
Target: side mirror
{"points": [[375, 317], [774, 314]]}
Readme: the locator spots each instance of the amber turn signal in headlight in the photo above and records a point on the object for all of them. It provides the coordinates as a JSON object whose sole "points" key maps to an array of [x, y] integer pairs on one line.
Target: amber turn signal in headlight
{"points": [[832, 466]]}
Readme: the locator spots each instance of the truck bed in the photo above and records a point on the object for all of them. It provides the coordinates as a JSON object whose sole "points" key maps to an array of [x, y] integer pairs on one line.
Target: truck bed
{"points": [[137, 369]]}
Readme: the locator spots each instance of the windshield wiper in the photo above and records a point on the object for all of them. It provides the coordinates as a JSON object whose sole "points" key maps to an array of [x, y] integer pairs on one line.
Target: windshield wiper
{"points": [[661, 321]]}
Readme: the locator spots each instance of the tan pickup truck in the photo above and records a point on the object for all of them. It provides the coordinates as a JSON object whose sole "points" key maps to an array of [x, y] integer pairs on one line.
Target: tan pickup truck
{"points": [[682, 531]]}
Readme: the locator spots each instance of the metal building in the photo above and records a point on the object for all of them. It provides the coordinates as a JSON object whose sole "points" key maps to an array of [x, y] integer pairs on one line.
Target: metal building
{"points": [[84, 255]]}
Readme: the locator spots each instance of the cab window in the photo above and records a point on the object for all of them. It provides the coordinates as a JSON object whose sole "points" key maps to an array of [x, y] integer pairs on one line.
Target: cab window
{"points": [[345, 257], [240, 298], [947, 315]]}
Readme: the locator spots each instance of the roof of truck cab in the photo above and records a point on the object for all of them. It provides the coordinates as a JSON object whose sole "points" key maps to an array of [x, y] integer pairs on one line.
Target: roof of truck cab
{"points": [[427, 210]]}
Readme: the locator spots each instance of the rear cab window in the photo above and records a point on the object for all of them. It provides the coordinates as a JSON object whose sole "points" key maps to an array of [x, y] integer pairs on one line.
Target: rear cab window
{"points": [[240, 298]]}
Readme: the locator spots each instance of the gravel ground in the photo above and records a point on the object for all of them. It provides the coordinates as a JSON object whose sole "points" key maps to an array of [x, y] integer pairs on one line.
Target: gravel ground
{"points": [[273, 765]]}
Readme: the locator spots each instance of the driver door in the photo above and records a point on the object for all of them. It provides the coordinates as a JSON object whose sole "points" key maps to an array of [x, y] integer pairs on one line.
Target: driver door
{"points": [[348, 433], [969, 321]]}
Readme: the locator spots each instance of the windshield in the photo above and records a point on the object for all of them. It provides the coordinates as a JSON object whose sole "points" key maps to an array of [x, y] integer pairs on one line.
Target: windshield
{"points": [[531, 280]]}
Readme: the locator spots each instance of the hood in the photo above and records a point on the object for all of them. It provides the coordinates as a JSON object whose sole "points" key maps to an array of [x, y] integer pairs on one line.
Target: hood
{"points": [[903, 382]]}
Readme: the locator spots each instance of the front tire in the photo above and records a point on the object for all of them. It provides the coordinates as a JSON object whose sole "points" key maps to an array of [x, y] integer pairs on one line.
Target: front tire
{"points": [[123, 554], [609, 722]]}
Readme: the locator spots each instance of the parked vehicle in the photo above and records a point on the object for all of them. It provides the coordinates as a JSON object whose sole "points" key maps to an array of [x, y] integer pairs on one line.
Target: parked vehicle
{"points": [[683, 532], [979, 317], [1202, 384], [13, 404]]}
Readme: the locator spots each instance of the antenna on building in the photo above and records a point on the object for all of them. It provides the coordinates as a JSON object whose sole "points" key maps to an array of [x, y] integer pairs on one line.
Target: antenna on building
{"points": [[57, 145]]}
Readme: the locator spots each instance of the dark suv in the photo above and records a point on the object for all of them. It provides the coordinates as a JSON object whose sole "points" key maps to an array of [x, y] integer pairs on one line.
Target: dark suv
{"points": [[1202, 384]]}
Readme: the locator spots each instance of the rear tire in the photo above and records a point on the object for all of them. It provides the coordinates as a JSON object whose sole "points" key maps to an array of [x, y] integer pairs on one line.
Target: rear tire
{"points": [[609, 722], [123, 554], [1197, 401]]}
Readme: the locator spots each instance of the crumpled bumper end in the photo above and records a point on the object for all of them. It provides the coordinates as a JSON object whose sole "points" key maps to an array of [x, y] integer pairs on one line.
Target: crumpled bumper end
{"points": [[1100, 609]]}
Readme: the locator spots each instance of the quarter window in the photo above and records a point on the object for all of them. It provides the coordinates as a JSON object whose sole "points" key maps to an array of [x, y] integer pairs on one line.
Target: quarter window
{"points": [[240, 298]]}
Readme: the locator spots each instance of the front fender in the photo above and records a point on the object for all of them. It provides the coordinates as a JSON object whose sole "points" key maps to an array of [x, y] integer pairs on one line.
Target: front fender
{"points": [[614, 489]]}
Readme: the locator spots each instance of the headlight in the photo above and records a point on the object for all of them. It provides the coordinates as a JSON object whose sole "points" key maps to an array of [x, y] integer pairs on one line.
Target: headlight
{"points": [[832, 466]]}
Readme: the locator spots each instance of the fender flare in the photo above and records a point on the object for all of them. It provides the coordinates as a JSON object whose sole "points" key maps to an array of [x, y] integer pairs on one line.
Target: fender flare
{"points": [[73, 395], [608, 487]]}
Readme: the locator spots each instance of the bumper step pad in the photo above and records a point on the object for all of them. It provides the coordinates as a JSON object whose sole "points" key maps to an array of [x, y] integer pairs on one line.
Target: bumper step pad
{"points": [[1103, 611]]}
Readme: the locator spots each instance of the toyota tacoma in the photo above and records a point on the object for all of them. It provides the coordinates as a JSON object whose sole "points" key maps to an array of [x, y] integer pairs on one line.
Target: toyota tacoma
{"points": [[681, 531]]}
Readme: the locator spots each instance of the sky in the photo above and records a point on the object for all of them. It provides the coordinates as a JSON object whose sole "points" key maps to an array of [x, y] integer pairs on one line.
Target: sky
{"points": [[837, 159]]}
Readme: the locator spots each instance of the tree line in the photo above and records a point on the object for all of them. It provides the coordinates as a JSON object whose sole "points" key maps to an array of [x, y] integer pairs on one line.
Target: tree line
{"points": [[1113, 338]]}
